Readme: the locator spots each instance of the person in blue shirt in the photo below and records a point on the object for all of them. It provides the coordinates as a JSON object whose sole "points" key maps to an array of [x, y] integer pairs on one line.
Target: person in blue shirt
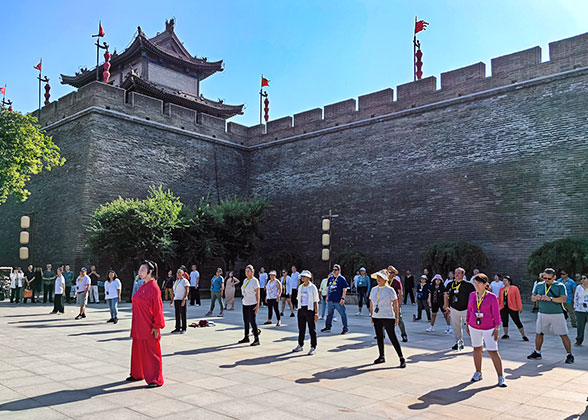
{"points": [[570, 290], [337, 289], [362, 284], [423, 299], [217, 286]]}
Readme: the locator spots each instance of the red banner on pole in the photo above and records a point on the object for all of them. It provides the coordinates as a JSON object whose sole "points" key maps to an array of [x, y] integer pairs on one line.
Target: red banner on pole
{"points": [[38, 66], [264, 82], [421, 25], [3, 91]]}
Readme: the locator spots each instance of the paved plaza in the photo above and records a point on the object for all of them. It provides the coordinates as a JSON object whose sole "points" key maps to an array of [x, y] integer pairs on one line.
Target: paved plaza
{"points": [[54, 367]]}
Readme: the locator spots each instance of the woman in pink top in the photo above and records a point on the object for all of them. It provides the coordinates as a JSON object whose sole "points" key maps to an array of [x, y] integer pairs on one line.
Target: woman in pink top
{"points": [[482, 325]]}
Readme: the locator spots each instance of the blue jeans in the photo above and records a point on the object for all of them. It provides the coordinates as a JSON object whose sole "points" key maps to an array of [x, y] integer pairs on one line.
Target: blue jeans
{"points": [[331, 310], [113, 306], [323, 306]]}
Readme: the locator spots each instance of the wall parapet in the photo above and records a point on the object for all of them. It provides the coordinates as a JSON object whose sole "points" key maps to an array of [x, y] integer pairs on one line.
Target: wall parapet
{"points": [[566, 54]]}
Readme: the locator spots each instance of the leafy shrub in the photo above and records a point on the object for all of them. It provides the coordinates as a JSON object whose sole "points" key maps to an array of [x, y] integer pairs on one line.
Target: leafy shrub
{"points": [[351, 261], [570, 254], [443, 257]]}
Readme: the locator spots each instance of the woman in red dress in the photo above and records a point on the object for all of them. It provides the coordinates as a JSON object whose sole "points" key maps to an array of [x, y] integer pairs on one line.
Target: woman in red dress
{"points": [[147, 321]]}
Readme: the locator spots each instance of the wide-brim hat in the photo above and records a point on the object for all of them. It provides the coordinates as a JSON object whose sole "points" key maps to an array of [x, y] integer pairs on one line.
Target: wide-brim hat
{"points": [[362, 269], [381, 273], [306, 273], [273, 272]]}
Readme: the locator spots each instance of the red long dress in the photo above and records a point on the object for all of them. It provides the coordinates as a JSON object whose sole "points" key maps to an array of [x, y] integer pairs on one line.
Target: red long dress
{"points": [[146, 351]]}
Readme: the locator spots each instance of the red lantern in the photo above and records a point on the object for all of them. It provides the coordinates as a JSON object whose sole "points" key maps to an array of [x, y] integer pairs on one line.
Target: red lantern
{"points": [[266, 109], [106, 73], [419, 64], [47, 94]]}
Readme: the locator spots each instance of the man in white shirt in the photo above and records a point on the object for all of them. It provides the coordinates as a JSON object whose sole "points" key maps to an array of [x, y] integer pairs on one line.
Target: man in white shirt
{"points": [[59, 289], [262, 283], [295, 277], [181, 287], [194, 286], [83, 283], [496, 285]]}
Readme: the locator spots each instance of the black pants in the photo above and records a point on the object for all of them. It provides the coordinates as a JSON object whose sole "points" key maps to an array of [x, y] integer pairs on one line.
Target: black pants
{"points": [[381, 324], [294, 300], [505, 312], [272, 305], [306, 317], [48, 289], [362, 296], [194, 295], [68, 294], [262, 295], [58, 304], [408, 292], [249, 320], [423, 304], [15, 295], [180, 315]]}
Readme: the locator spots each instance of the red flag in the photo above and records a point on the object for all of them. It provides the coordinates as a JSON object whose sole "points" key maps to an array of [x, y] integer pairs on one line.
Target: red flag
{"points": [[3, 91], [38, 66], [421, 25], [264, 82], [100, 30]]}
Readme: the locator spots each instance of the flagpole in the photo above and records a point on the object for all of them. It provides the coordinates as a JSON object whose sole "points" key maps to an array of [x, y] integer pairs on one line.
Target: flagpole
{"points": [[414, 51], [260, 96], [40, 77]]}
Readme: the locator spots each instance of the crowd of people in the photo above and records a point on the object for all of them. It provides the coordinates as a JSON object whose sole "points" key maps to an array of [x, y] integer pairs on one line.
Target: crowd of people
{"points": [[479, 305]]}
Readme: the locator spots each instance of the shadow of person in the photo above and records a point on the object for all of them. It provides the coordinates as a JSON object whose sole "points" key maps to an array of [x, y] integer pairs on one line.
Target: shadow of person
{"points": [[97, 333], [344, 372], [264, 360], [581, 416], [66, 396], [447, 396], [435, 357], [202, 350], [353, 346], [528, 369]]}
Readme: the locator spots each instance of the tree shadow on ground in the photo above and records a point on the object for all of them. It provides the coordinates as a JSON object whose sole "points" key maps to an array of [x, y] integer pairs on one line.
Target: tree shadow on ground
{"points": [[264, 360], [340, 373], [66, 396], [448, 396]]}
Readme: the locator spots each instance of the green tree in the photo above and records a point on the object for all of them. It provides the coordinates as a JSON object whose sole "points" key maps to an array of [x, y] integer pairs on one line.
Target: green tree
{"points": [[130, 230], [283, 260], [351, 261], [237, 227], [24, 151], [570, 254], [443, 257]]}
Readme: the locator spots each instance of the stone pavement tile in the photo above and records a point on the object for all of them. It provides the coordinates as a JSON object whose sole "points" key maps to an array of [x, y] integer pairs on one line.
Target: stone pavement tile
{"points": [[39, 413], [305, 389], [162, 407], [205, 397], [176, 390], [82, 407], [196, 414], [273, 383], [276, 399], [535, 412], [238, 408], [314, 409], [49, 388], [16, 373], [272, 414], [115, 414], [133, 394], [213, 382]]}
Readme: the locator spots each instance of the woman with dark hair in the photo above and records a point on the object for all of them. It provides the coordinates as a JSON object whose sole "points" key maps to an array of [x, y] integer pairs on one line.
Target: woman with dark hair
{"points": [[169, 286], [232, 282], [251, 296], [147, 321], [483, 325], [112, 289], [509, 299], [436, 300]]}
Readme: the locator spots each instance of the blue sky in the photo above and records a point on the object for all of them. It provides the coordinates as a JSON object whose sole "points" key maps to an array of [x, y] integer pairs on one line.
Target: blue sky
{"points": [[314, 52]]}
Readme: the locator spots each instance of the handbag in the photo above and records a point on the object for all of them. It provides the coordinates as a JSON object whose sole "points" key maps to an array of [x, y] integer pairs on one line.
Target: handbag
{"points": [[27, 293]]}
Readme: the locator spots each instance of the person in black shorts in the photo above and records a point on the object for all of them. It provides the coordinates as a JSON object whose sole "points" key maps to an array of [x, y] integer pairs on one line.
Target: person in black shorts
{"points": [[436, 300]]}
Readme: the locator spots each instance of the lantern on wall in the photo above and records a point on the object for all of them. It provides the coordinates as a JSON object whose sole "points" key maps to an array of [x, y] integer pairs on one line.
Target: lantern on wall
{"points": [[47, 94], [106, 73]]}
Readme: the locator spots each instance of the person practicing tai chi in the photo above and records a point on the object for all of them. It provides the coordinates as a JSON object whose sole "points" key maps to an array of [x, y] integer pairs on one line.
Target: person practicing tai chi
{"points": [[509, 299], [337, 289], [385, 311], [146, 324], [436, 299], [273, 290], [456, 300], [250, 303], [550, 319], [181, 289], [286, 282], [308, 300], [483, 325], [82, 289]]}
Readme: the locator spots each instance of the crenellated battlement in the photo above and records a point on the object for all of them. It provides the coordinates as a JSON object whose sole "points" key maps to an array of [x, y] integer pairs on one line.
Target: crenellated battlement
{"points": [[103, 96], [564, 55]]}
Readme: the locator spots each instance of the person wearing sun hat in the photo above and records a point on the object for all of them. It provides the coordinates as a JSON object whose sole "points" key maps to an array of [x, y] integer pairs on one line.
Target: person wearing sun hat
{"points": [[308, 300], [385, 311]]}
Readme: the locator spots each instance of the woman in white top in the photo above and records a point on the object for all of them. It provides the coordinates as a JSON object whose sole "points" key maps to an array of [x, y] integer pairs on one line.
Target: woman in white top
{"points": [[251, 296], [59, 290], [308, 300], [384, 308], [181, 289], [273, 290], [112, 289], [15, 284], [581, 308]]}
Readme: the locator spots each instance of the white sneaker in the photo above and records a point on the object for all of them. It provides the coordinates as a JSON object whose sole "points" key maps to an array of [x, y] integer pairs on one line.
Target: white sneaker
{"points": [[431, 329], [502, 382], [297, 349], [334, 319], [358, 314], [313, 351], [321, 318], [478, 377], [448, 330]]}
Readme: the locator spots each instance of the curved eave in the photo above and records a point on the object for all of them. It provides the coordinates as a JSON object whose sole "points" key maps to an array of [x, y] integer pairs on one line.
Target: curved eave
{"points": [[140, 44]]}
